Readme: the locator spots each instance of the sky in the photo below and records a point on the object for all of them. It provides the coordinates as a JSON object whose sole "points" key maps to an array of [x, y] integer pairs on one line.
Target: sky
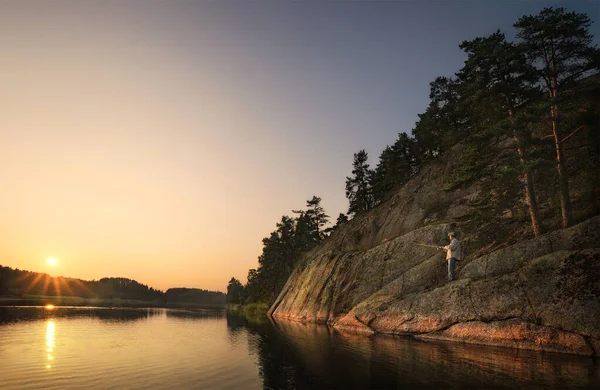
{"points": [[162, 140]]}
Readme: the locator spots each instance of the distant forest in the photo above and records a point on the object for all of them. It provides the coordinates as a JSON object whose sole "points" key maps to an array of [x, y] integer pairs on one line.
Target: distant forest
{"points": [[19, 283], [534, 101]]}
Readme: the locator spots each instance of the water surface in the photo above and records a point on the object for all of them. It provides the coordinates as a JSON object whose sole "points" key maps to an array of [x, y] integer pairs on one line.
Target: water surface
{"points": [[168, 349]]}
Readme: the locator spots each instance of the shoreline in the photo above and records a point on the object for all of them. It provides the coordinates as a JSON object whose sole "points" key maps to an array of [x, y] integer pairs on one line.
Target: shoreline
{"points": [[62, 301]]}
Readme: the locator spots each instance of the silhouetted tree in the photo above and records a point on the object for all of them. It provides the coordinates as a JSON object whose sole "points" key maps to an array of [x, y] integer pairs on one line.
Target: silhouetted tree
{"points": [[235, 291], [442, 123], [358, 187], [342, 218], [282, 249], [318, 218], [397, 164]]}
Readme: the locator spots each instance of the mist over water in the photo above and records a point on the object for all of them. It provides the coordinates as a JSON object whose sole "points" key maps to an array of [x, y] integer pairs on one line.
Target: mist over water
{"points": [[170, 349]]}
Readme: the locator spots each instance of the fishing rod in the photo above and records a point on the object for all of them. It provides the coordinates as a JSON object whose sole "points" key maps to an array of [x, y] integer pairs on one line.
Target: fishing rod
{"points": [[427, 245]]}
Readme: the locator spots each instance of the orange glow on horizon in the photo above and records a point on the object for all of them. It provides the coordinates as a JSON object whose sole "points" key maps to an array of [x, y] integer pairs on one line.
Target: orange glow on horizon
{"points": [[49, 306]]}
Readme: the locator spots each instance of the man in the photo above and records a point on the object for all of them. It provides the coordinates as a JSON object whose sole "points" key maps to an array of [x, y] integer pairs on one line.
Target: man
{"points": [[452, 254]]}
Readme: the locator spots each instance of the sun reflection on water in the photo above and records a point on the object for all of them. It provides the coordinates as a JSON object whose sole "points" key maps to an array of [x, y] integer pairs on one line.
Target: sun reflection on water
{"points": [[50, 341]]}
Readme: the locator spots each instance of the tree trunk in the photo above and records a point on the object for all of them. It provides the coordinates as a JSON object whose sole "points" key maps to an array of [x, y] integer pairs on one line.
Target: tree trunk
{"points": [[563, 181], [532, 203], [527, 178]]}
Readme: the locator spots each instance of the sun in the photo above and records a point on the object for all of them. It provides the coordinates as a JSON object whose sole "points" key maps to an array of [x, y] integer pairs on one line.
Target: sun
{"points": [[51, 261]]}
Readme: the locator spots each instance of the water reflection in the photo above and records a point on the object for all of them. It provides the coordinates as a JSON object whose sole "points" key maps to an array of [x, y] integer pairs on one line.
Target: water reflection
{"points": [[104, 349], [50, 342], [32, 313], [304, 356], [194, 314], [119, 348]]}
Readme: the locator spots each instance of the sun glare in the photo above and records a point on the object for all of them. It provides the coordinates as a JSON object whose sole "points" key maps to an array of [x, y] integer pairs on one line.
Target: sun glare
{"points": [[52, 261]]}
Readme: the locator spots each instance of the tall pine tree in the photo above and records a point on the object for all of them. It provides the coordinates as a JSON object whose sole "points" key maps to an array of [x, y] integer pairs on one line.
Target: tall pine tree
{"points": [[559, 45], [358, 187], [317, 216], [496, 75]]}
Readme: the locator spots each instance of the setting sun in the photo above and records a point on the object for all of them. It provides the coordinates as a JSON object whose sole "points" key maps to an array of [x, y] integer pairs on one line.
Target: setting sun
{"points": [[52, 261]]}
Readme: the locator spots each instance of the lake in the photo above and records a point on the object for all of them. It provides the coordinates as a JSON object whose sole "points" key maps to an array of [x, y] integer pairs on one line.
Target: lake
{"points": [[105, 348]]}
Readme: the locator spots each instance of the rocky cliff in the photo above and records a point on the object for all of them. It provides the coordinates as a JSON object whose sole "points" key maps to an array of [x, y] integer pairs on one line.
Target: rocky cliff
{"points": [[511, 290]]}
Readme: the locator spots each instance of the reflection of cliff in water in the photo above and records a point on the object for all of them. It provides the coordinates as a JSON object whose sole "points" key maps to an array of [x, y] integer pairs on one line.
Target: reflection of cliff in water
{"points": [[305, 356], [17, 314], [278, 364]]}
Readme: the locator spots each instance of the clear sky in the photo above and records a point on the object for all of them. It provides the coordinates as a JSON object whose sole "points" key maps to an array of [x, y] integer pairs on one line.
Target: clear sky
{"points": [[162, 140]]}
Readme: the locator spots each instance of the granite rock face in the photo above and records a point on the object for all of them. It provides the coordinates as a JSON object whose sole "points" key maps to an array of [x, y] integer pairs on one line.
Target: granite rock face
{"points": [[372, 276]]}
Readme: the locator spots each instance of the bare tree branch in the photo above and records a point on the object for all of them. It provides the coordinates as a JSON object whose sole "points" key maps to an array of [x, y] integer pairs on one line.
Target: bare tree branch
{"points": [[569, 136]]}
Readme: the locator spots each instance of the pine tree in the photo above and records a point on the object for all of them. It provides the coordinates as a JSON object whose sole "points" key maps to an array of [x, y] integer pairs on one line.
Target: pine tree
{"points": [[496, 75], [441, 125], [304, 236], [559, 45], [397, 164], [342, 218], [235, 291], [318, 218], [358, 187]]}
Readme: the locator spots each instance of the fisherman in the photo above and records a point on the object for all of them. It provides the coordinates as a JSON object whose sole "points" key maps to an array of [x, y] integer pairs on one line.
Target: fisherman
{"points": [[452, 254]]}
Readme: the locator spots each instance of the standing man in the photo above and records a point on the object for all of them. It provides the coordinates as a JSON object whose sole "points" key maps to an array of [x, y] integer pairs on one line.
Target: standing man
{"points": [[452, 254]]}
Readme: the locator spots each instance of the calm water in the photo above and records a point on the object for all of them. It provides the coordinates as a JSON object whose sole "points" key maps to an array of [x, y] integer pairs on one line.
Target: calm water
{"points": [[166, 349]]}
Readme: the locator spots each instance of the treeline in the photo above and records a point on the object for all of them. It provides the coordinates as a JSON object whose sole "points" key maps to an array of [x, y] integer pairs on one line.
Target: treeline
{"points": [[540, 92], [535, 101], [20, 283], [194, 295], [282, 250]]}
